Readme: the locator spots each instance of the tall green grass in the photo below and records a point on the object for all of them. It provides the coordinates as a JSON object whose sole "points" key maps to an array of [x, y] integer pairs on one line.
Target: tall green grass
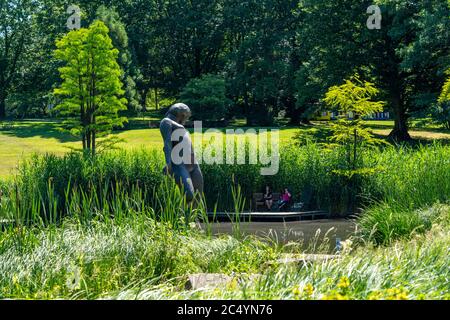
{"points": [[414, 269], [166, 204], [407, 194], [384, 223], [411, 178], [136, 257], [401, 177], [87, 261]]}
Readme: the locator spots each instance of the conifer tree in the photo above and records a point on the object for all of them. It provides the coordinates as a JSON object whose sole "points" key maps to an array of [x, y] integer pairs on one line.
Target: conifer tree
{"points": [[91, 90]]}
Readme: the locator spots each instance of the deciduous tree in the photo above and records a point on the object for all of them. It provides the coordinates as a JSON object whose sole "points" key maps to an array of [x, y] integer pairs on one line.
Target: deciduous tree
{"points": [[15, 37], [91, 88]]}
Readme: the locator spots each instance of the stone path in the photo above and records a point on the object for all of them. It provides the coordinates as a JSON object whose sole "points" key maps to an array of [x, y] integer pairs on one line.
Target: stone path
{"points": [[201, 281]]}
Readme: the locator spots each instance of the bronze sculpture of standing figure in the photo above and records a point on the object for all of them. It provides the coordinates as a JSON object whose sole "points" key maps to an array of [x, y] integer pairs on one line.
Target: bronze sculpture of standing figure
{"points": [[183, 166]]}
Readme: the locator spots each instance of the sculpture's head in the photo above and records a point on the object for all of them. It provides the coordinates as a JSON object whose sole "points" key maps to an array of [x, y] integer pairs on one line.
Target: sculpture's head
{"points": [[180, 112]]}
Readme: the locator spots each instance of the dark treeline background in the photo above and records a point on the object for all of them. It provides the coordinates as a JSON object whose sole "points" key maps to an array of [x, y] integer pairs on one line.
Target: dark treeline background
{"points": [[270, 56]]}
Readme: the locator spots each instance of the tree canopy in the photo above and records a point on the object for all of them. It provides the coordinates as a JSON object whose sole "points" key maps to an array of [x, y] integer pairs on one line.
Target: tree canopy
{"points": [[276, 57]]}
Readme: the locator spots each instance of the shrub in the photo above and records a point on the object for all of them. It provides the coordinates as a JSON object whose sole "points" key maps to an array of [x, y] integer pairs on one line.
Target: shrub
{"points": [[206, 97]]}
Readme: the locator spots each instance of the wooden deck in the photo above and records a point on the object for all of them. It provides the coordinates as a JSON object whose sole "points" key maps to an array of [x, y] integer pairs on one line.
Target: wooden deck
{"points": [[268, 216]]}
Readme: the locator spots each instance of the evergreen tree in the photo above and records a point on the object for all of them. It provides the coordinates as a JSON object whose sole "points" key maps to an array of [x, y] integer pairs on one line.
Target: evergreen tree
{"points": [[354, 100]]}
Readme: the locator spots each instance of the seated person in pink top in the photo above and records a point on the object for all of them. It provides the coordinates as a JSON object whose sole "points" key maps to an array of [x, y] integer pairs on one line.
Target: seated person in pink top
{"points": [[285, 199]]}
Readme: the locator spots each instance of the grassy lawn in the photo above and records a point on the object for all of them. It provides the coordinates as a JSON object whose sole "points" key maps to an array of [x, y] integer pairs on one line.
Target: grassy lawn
{"points": [[41, 136]]}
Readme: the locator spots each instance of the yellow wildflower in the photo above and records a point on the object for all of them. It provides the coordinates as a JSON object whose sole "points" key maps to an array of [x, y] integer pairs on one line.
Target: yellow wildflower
{"points": [[233, 284], [296, 292], [15, 279], [333, 295], [375, 295], [309, 290], [389, 294], [343, 283]]}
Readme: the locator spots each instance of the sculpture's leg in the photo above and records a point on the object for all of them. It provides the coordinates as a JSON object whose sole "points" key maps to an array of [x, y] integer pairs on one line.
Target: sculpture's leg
{"points": [[197, 179], [197, 182], [183, 178]]}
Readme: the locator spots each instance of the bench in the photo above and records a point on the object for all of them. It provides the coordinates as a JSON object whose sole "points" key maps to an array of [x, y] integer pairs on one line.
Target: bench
{"points": [[258, 200]]}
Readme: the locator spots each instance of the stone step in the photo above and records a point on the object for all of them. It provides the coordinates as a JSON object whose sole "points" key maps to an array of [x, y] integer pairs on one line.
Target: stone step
{"points": [[207, 281], [304, 259], [215, 280]]}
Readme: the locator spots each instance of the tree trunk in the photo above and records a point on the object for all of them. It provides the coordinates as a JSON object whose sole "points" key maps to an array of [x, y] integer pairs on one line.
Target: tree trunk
{"points": [[297, 117], [400, 131], [197, 60], [292, 111], [83, 137], [294, 119], [394, 81], [93, 143], [246, 110], [88, 140], [144, 99], [2, 106], [156, 99]]}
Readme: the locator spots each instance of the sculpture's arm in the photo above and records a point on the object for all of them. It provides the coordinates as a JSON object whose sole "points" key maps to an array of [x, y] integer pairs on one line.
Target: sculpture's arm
{"points": [[166, 133]]}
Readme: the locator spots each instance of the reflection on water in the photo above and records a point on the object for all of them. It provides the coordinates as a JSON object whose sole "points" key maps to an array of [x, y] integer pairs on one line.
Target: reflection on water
{"points": [[310, 234]]}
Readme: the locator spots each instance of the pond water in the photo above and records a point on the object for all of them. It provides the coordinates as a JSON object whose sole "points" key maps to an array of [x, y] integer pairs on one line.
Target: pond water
{"points": [[310, 234]]}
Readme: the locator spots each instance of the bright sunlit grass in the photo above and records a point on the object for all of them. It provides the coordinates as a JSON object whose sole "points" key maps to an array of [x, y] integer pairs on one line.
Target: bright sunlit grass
{"points": [[42, 136]]}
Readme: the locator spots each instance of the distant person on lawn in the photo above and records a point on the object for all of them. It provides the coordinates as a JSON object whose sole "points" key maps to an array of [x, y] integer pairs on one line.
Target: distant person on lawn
{"points": [[268, 198], [285, 199]]}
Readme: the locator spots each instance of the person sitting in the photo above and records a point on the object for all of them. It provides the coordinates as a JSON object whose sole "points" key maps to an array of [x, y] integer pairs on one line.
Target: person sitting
{"points": [[285, 199], [268, 198]]}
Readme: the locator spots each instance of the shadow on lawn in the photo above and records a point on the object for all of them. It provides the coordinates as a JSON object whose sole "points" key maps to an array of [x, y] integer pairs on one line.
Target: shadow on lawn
{"points": [[416, 128], [38, 128], [415, 142], [322, 133]]}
